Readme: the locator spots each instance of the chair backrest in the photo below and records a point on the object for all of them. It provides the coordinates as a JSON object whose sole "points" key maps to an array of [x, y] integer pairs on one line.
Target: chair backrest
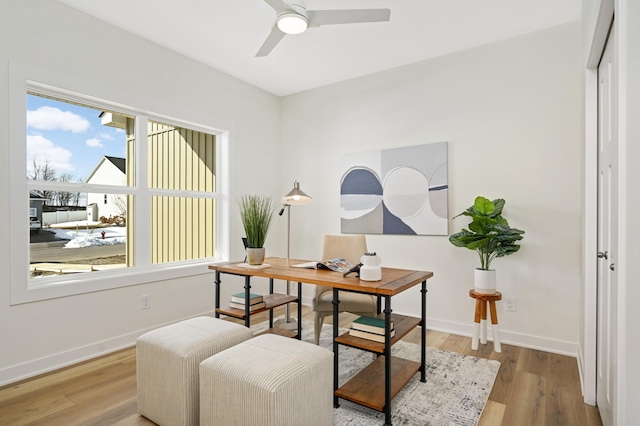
{"points": [[349, 247]]}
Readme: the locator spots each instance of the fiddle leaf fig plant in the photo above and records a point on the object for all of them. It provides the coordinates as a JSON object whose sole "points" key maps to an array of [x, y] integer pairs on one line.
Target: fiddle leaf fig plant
{"points": [[489, 233], [256, 212]]}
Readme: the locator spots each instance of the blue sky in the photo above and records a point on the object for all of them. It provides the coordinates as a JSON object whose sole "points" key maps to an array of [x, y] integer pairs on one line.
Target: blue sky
{"points": [[70, 137]]}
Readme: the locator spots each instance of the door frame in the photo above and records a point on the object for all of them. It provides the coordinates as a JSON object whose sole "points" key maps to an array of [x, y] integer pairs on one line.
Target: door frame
{"points": [[588, 353]]}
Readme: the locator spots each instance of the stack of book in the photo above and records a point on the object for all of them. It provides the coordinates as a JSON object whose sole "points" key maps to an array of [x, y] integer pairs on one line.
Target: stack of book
{"points": [[370, 328], [256, 302]]}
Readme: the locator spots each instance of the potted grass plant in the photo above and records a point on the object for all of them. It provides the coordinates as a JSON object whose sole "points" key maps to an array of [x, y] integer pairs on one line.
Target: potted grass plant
{"points": [[490, 236], [256, 212]]}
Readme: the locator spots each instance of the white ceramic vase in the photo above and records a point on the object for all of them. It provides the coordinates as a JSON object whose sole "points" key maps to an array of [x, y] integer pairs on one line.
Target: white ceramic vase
{"points": [[370, 269], [485, 281], [255, 256]]}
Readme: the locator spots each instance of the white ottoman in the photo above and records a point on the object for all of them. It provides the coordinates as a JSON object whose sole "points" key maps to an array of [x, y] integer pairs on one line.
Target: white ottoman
{"points": [[167, 366], [269, 380]]}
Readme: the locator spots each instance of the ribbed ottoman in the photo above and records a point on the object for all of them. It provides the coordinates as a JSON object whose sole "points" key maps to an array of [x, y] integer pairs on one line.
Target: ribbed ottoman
{"points": [[269, 380], [168, 359]]}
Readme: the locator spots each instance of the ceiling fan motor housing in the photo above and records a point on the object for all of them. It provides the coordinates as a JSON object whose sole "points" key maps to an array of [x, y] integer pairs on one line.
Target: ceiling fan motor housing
{"points": [[294, 20]]}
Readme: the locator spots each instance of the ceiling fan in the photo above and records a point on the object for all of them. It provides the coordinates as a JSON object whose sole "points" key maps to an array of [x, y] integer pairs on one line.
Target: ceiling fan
{"points": [[294, 18]]}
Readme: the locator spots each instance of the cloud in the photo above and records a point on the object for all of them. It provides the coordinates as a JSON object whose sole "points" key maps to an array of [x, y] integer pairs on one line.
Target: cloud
{"points": [[41, 150], [94, 143], [106, 136], [49, 118]]}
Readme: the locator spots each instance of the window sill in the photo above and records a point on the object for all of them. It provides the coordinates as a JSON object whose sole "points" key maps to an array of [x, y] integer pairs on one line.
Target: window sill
{"points": [[104, 280]]}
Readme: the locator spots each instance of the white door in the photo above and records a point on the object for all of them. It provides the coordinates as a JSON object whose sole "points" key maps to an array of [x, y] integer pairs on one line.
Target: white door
{"points": [[607, 232]]}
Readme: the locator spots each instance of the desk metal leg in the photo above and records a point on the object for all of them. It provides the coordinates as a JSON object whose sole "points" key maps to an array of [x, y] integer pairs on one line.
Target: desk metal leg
{"points": [[423, 334], [299, 310], [387, 360], [217, 283], [247, 296], [270, 310], [336, 302]]}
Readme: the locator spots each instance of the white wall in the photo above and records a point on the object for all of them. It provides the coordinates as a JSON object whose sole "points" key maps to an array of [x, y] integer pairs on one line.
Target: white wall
{"points": [[88, 54], [511, 114]]}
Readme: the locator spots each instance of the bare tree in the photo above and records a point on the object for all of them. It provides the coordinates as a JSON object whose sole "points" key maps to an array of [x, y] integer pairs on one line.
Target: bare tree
{"points": [[46, 172], [66, 198], [43, 172], [120, 202]]}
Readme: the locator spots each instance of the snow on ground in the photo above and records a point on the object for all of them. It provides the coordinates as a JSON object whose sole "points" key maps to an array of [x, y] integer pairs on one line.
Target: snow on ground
{"points": [[82, 234]]}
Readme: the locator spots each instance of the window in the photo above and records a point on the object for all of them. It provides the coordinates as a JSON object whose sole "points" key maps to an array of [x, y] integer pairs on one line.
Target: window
{"points": [[73, 151], [121, 192]]}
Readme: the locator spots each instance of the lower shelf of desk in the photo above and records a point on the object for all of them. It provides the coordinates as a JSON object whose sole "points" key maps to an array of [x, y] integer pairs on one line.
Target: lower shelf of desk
{"points": [[403, 325], [367, 387], [271, 300]]}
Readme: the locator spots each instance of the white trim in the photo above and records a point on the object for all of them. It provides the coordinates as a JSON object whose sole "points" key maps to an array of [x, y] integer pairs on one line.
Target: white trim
{"points": [[508, 337], [590, 238], [142, 210], [588, 353], [24, 289], [600, 32], [63, 359], [623, 263], [581, 369]]}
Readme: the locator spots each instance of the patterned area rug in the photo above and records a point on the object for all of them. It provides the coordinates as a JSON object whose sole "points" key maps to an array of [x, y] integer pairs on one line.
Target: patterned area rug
{"points": [[455, 393]]}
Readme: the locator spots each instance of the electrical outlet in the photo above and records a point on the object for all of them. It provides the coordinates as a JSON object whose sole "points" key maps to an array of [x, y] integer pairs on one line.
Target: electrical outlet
{"points": [[510, 304], [146, 301]]}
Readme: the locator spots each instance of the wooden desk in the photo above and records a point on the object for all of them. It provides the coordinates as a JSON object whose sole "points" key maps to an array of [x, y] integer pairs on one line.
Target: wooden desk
{"points": [[373, 387]]}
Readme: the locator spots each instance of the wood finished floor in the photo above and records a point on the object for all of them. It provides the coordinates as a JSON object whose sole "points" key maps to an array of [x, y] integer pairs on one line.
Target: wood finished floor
{"points": [[532, 388]]}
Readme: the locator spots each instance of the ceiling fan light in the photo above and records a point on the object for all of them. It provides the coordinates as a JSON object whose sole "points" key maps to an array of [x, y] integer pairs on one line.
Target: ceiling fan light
{"points": [[292, 23]]}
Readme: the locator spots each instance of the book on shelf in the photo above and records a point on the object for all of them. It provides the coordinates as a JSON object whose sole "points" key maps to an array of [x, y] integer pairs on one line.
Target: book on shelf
{"points": [[370, 324], [254, 307], [253, 298], [370, 336], [337, 265]]}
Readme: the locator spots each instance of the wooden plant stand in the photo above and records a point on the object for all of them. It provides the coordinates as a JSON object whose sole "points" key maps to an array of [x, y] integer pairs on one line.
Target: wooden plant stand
{"points": [[480, 319]]}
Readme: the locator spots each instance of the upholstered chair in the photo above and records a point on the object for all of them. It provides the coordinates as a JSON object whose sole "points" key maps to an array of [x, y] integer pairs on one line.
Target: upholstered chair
{"points": [[351, 248]]}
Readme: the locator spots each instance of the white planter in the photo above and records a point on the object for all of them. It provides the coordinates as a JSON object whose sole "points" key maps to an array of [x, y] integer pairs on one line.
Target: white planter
{"points": [[255, 256], [485, 281]]}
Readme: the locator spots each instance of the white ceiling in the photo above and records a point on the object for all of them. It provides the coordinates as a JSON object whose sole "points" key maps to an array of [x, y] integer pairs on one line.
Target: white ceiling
{"points": [[226, 34]]}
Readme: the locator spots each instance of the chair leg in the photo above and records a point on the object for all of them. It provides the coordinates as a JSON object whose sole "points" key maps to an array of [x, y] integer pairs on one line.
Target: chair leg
{"points": [[318, 320]]}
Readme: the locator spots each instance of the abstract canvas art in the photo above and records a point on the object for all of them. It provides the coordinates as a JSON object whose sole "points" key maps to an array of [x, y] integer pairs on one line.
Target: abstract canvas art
{"points": [[395, 191]]}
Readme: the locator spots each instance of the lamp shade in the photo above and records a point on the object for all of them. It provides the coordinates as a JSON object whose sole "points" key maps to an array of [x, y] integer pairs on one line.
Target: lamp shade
{"points": [[296, 196], [292, 23]]}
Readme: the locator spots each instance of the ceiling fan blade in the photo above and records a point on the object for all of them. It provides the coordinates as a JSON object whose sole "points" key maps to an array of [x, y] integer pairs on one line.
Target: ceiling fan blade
{"points": [[348, 16], [277, 4], [272, 40]]}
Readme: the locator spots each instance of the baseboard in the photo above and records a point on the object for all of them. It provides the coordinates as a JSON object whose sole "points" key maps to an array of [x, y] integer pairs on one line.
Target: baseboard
{"points": [[581, 369], [63, 359], [507, 337], [59, 360], [523, 340], [588, 394]]}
